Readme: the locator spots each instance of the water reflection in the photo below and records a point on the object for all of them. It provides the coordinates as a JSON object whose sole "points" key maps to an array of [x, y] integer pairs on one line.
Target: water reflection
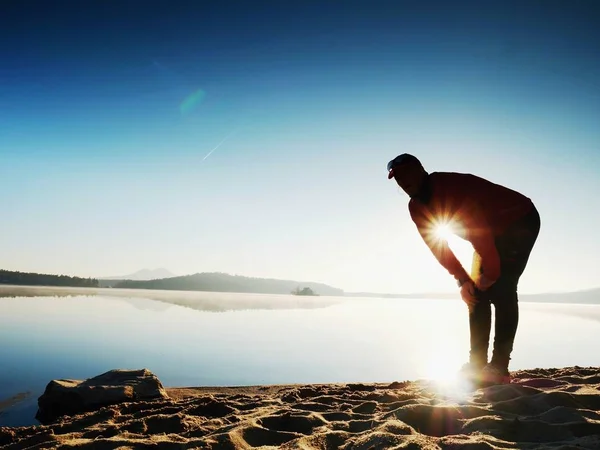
{"points": [[198, 300], [78, 333]]}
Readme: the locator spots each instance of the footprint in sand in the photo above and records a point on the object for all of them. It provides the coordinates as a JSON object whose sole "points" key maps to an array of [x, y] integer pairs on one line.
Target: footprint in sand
{"points": [[291, 422]]}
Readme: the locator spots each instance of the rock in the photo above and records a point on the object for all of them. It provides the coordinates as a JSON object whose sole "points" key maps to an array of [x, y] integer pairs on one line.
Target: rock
{"points": [[69, 397]]}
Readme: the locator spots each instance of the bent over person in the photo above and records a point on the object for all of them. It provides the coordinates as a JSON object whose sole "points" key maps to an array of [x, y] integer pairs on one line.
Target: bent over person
{"points": [[502, 225]]}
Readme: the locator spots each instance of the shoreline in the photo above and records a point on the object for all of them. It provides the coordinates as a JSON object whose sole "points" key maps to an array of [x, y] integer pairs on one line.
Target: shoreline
{"points": [[589, 296], [542, 408]]}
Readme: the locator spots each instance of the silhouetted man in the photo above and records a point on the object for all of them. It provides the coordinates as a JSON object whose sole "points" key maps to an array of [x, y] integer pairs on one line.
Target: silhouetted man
{"points": [[502, 225]]}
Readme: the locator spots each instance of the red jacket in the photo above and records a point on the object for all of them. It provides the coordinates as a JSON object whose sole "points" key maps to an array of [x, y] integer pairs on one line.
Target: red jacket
{"points": [[476, 209]]}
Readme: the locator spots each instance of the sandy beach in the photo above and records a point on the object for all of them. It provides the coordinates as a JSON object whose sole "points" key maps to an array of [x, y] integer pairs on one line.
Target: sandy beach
{"points": [[541, 409]]}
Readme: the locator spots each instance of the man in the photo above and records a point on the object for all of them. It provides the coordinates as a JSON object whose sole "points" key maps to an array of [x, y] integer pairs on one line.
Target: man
{"points": [[502, 225]]}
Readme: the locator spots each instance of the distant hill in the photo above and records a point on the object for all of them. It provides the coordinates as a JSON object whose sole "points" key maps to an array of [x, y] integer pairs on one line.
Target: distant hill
{"points": [[140, 275], [144, 274], [589, 296], [222, 282]]}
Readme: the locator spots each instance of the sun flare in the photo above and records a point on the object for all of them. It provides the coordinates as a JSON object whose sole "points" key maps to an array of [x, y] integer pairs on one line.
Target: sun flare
{"points": [[443, 231], [441, 370], [442, 375], [450, 233]]}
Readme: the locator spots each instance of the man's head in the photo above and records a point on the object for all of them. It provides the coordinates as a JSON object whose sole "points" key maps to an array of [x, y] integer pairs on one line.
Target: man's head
{"points": [[408, 172]]}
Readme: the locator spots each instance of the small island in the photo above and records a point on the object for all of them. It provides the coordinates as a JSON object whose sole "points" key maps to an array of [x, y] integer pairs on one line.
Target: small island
{"points": [[304, 291]]}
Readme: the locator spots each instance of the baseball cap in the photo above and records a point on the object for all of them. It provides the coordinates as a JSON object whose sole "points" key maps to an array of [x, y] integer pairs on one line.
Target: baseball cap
{"points": [[404, 158]]}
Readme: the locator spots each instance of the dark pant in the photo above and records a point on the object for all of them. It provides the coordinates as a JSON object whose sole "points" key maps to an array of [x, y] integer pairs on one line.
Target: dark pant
{"points": [[514, 247]]}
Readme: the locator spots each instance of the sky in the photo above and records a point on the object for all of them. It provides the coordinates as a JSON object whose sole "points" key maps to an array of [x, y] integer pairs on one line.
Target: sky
{"points": [[252, 137]]}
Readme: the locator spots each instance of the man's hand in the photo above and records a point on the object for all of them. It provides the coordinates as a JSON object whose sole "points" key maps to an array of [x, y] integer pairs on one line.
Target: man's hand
{"points": [[467, 292], [484, 283]]}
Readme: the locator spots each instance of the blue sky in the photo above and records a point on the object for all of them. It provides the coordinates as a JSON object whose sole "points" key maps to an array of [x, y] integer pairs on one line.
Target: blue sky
{"points": [[109, 110]]}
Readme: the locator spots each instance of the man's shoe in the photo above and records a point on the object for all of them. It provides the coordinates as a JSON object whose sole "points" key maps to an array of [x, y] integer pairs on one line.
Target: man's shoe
{"points": [[492, 375]]}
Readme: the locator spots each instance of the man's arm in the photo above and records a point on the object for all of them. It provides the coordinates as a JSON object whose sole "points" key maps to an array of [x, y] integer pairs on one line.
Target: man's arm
{"points": [[482, 239], [439, 247]]}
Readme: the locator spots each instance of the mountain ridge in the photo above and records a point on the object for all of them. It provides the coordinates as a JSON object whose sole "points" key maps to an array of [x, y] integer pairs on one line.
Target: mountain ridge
{"points": [[143, 275], [223, 282]]}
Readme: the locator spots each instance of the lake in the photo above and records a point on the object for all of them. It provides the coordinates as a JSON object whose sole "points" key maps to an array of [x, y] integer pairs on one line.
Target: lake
{"points": [[223, 339]]}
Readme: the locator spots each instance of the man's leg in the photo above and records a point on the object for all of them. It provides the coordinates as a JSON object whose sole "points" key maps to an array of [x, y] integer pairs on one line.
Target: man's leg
{"points": [[506, 306], [480, 322], [514, 247]]}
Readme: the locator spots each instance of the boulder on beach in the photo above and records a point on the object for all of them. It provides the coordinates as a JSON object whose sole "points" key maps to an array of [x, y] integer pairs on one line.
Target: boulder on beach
{"points": [[69, 397]]}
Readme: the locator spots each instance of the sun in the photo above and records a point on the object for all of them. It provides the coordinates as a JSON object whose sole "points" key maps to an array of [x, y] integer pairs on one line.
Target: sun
{"points": [[450, 233], [443, 231]]}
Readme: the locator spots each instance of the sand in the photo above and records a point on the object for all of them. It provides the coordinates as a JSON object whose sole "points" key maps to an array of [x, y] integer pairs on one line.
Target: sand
{"points": [[541, 409]]}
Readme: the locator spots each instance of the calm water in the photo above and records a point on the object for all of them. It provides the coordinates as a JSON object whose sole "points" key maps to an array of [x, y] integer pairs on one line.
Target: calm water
{"points": [[192, 339]]}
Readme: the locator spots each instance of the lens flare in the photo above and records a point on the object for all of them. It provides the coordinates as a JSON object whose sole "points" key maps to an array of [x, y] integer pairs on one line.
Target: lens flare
{"points": [[191, 102]]}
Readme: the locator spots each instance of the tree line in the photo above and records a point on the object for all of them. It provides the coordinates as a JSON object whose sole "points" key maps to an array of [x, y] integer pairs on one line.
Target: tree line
{"points": [[41, 279]]}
